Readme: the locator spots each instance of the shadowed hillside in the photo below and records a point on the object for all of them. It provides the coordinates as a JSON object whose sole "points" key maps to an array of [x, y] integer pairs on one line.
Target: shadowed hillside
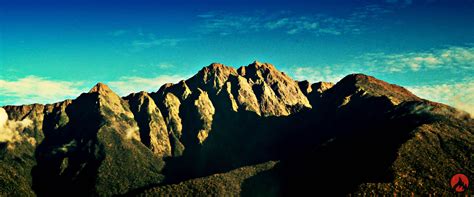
{"points": [[251, 131]]}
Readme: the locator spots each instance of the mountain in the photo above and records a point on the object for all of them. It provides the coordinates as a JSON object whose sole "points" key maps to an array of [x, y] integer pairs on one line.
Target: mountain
{"points": [[250, 131]]}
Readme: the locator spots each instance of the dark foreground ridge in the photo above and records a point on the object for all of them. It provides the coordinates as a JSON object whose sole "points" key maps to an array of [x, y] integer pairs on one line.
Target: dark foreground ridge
{"points": [[250, 131]]}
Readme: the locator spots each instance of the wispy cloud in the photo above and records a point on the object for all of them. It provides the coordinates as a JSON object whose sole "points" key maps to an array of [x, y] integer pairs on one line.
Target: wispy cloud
{"points": [[459, 95], [149, 40], [454, 58], [162, 66], [34, 89], [208, 15], [322, 24], [10, 130], [225, 24], [321, 73], [156, 42], [319, 24], [165, 66], [118, 32], [128, 84], [291, 23]]}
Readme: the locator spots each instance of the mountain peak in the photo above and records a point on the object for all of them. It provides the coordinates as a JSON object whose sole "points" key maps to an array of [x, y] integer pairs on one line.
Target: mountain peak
{"points": [[262, 65], [100, 88], [100, 144], [215, 65], [255, 67], [375, 87], [218, 68], [213, 76], [256, 62], [139, 95]]}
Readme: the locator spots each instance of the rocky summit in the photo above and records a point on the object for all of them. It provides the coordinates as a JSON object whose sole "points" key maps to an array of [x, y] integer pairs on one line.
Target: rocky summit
{"points": [[251, 131]]}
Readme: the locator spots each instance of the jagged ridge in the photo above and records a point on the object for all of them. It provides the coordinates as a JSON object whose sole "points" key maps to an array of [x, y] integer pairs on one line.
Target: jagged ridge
{"points": [[101, 144]]}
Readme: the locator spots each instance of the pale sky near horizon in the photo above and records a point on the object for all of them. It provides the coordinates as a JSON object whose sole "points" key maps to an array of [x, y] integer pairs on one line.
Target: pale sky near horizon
{"points": [[51, 50]]}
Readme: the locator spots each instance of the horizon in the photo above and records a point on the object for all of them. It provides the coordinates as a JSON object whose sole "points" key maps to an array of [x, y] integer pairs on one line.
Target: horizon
{"points": [[52, 50]]}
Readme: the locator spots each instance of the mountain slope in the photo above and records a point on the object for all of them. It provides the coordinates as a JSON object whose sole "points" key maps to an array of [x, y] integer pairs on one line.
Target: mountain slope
{"points": [[95, 150], [222, 184], [381, 139], [361, 135]]}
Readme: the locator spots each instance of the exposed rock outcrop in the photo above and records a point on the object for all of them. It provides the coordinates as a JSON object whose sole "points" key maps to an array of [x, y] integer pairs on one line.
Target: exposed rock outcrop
{"points": [[152, 126], [277, 93], [380, 137], [96, 151]]}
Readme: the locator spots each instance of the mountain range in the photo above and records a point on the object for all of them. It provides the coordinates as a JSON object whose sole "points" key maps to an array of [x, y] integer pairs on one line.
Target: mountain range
{"points": [[251, 131]]}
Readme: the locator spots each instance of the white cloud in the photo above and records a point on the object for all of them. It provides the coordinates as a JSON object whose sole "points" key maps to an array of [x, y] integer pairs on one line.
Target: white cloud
{"points": [[150, 40], [128, 84], [278, 23], [34, 89], [10, 129], [319, 24], [315, 74], [455, 58], [459, 95], [156, 42], [226, 24], [165, 65], [154, 65]]}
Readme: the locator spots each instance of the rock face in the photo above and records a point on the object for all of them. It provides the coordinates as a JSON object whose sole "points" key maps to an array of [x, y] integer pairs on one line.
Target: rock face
{"points": [[277, 93], [380, 137], [93, 146], [20, 133], [151, 124]]}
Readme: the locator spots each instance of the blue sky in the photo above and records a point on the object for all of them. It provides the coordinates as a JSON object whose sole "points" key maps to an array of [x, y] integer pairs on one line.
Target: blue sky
{"points": [[52, 50]]}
